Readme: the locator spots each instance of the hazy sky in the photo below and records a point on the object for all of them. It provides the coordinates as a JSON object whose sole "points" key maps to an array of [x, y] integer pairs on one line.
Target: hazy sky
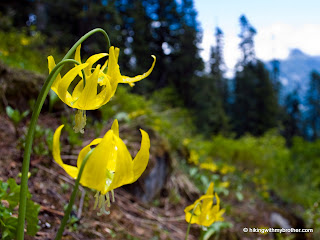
{"points": [[281, 25]]}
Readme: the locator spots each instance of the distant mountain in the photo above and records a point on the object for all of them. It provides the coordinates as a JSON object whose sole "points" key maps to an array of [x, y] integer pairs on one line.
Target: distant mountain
{"points": [[295, 71]]}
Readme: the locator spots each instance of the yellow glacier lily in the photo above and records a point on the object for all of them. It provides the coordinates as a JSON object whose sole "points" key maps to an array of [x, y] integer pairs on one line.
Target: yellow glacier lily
{"points": [[204, 212], [99, 86], [109, 166]]}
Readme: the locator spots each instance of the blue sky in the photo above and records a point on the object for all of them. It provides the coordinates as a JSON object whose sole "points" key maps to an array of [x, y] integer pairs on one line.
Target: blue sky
{"points": [[281, 26]]}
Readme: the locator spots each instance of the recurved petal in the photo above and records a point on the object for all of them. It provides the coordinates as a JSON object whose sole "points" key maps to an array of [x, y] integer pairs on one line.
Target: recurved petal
{"points": [[115, 127], [219, 215], [63, 93], [113, 71], [105, 94], [126, 79], [196, 212], [210, 189], [140, 162], [87, 99], [84, 151], [71, 170], [92, 60], [207, 203], [77, 54], [95, 172], [194, 219], [123, 167], [77, 57], [77, 91], [51, 65], [104, 65]]}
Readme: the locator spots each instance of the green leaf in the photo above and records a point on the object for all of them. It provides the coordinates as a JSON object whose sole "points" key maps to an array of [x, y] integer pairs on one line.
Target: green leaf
{"points": [[209, 233], [3, 189], [14, 193], [24, 114], [32, 213], [10, 192], [9, 111], [239, 196]]}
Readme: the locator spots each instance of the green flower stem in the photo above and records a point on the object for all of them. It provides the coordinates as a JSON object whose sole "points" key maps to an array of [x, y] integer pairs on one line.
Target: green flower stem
{"points": [[73, 197], [28, 147], [189, 225], [74, 47], [35, 115]]}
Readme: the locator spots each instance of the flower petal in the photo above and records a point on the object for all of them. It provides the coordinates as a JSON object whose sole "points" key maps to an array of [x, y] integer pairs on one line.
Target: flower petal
{"points": [[84, 151], [207, 203], [78, 58], [63, 93], [140, 162], [129, 80], [77, 55], [188, 210], [71, 170], [113, 71], [92, 60], [87, 98], [51, 65], [115, 127], [77, 91], [122, 167], [95, 172]]}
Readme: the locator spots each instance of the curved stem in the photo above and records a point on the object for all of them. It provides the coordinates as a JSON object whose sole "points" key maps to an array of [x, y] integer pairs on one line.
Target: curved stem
{"points": [[72, 198], [29, 139], [189, 225], [74, 47], [82, 39], [28, 147]]}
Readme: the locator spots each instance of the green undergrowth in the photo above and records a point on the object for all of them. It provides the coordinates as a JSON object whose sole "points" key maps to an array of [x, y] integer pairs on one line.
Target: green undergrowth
{"points": [[232, 164], [25, 49], [266, 160]]}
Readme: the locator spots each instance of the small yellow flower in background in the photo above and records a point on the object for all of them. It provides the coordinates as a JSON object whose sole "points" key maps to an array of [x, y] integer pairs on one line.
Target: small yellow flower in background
{"points": [[204, 212], [24, 41], [227, 169], [224, 184], [186, 141], [4, 52], [86, 96], [109, 166], [194, 157], [209, 166]]}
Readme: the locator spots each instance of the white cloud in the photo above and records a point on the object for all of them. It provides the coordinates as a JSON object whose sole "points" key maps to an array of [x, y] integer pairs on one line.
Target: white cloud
{"points": [[274, 41]]}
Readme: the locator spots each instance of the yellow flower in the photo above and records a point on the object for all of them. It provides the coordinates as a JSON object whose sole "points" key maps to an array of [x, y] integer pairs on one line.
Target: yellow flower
{"points": [[109, 166], [194, 157], [227, 169], [209, 166], [224, 184], [100, 83], [204, 212], [24, 41]]}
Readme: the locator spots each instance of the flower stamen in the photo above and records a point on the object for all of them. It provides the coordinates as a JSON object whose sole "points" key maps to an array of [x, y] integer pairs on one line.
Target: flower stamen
{"points": [[80, 121]]}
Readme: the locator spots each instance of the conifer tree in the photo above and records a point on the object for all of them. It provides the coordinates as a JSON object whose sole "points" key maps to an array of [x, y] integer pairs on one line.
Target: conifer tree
{"points": [[217, 69], [292, 119], [313, 105], [247, 43], [255, 106]]}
